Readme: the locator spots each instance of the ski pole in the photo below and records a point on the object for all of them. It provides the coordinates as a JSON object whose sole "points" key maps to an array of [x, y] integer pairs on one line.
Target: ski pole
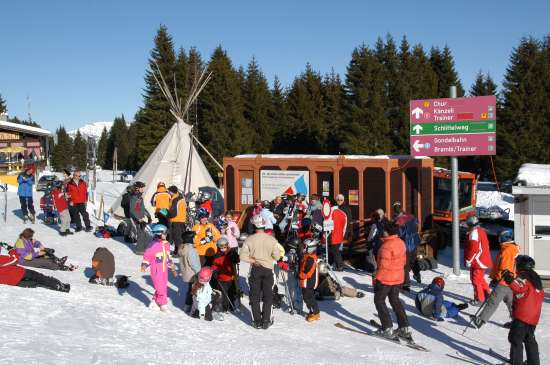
{"points": [[226, 296], [475, 315]]}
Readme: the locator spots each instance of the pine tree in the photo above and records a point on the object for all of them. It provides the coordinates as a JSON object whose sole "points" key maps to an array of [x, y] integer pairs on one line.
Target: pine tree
{"points": [[369, 129], [102, 147], [279, 118], [309, 133], [257, 105], [61, 157], [155, 119], [222, 127], [118, 138], [483, 85], [444, 66], [334, 111], [3, 107], [79, 155]]}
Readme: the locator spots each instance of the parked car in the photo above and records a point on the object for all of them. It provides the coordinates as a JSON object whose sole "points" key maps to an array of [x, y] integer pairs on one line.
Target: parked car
{"points": [[45, 181]]}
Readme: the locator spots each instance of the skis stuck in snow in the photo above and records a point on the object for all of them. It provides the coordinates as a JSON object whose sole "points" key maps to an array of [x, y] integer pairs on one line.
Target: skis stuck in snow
{"points": [[397, 341]]}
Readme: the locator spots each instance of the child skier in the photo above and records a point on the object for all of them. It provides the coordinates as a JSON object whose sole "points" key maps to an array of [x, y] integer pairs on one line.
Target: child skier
{"points": [[528, 299], [309, 278], [190, 266], [505, 261], [205, 301], [62, 206], [430, 303], [157, 257], [224, 271]]}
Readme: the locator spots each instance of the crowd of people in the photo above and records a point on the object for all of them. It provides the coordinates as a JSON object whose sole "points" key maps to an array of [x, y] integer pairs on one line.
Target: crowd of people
{"points": [[285, 239]]}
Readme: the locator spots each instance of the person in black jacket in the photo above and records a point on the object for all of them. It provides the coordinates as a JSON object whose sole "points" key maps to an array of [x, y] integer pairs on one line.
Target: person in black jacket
{"points": [[125, 202]]}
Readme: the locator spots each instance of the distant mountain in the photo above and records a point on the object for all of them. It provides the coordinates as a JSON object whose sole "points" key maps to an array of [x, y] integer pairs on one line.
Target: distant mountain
{"points": [[91, 129]]}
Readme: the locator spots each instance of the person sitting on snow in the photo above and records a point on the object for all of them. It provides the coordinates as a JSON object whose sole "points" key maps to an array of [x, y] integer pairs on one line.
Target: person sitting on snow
{"points": [[33, 253], [206, 302], [13, 274], [430, 303], [103, 263]]}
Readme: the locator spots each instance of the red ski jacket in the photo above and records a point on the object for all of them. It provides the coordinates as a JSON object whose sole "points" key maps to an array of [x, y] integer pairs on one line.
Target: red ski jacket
{"points": [[391, 260], [10, 272], [340, 220], [59, 200], [223, 264], [527, 301], [78, 193], [476, 253]]}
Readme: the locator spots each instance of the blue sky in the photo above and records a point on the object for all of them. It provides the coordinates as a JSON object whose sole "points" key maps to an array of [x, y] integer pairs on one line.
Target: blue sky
{"points": [[82, 61]]}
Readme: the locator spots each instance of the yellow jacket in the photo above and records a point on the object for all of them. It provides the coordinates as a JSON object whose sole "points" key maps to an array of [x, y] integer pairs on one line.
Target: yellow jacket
{"points": [[161, 199], [206, 236], [178, 209], [505, 260]]}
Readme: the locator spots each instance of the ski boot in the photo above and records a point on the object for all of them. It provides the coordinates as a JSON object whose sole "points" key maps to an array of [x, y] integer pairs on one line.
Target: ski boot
{"points": [[32, 218], [386, 333], [257, 324], [313, 317], [218, 316], [25, 219], [164, 308], [404, 333]]}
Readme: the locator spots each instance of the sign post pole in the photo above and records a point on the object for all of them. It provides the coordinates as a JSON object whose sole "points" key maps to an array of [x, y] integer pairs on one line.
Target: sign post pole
{"points": [[456, 207], [326, 217]]}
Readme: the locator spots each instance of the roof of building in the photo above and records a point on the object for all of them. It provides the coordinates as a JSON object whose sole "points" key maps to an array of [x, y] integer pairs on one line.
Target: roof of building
{"points": [[25, 129], [350, 157]]}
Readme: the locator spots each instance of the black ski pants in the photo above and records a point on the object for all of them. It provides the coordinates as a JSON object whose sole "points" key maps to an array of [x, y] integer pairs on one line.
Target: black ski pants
{"points": [[381, 292], [33, 279], [78, 210], [27, 205], [334, 252], [228, 294], [522, 333], [309, 299], [411, 258], [261, 288], [176, 233]]}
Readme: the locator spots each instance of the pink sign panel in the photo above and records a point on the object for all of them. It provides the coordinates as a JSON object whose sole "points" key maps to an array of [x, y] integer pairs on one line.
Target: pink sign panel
{"points": [[453, 110], [454, 145]]}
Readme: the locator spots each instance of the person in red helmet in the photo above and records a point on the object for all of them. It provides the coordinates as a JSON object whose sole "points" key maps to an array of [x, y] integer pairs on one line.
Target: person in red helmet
{"points": [[430, 302]]}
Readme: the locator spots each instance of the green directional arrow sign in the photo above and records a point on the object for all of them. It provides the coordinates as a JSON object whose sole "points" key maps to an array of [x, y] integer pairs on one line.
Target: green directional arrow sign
{"points": [[482, 126]]}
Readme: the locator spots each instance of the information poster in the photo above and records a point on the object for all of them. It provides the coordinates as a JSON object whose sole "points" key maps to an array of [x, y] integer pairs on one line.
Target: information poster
{"points": [[278, 182], [247, 191], [353, 197]]}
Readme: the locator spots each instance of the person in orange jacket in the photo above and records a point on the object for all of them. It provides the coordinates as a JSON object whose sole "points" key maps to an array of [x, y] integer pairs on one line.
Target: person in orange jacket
{"points": [[388, 280], [161, 201], [478, 258], [505, 261], [206, 236], [309, 278], [177, 213]]}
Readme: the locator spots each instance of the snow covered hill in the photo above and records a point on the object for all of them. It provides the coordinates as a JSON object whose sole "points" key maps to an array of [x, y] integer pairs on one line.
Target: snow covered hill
{"points": [[101, 325], [92, 129]]}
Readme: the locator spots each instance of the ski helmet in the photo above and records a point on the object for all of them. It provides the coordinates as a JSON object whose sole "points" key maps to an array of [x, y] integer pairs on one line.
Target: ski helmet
{"points": [[266, 204], [205, 275], [506, 236], [524, 262], [202, 213], [472, 221], [258, 221], [306, 223], [221, 223], [205, 195], [310, 245], [158, 229], [439, 281], [396, 206], [222, 242]]}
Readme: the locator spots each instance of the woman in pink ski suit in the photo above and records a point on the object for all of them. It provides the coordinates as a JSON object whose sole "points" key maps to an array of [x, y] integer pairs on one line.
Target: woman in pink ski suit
{"points": [[157, 257]]}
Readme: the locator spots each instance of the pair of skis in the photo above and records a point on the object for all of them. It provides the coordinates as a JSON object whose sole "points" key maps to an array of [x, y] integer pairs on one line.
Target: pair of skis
{"points": [[398, 341], [460, 356]]}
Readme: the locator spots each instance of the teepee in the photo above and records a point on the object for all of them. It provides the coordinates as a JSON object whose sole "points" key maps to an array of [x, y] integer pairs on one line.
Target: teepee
{"points": [[175, 160]]}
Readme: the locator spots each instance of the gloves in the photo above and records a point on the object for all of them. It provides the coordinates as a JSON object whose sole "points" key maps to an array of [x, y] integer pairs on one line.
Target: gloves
{"points": [[508, 277]]}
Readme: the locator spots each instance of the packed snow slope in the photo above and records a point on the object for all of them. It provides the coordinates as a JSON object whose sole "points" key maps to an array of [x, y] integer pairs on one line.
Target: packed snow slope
{"points": [[102, 325]]}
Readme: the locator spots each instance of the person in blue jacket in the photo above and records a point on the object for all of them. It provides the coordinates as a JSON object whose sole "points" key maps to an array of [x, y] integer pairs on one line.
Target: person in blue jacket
{"points": [[430, 303], [24, 191]]}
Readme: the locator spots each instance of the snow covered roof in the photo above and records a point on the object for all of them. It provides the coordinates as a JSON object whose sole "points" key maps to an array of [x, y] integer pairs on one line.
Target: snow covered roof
{"points": [[349, 157], [25, 129], [531, 174]]}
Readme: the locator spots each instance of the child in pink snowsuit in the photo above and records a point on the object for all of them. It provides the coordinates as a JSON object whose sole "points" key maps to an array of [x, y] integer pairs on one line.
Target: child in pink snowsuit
{"points": [[157, 257]]}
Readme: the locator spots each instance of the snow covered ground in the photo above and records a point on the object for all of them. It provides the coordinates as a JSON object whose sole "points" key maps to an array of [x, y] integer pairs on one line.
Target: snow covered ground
{"points": [[491, 199], [102, 325]]}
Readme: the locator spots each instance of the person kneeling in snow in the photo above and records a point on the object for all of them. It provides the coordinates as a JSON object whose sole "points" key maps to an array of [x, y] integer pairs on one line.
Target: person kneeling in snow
{"points": [[206, 301], [103, 262], [13, 274], [430, 303], [157, 257]]}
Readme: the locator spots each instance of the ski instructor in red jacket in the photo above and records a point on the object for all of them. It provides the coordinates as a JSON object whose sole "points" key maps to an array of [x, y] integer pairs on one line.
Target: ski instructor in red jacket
{"points": [[478, 258], [78, 192]]}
